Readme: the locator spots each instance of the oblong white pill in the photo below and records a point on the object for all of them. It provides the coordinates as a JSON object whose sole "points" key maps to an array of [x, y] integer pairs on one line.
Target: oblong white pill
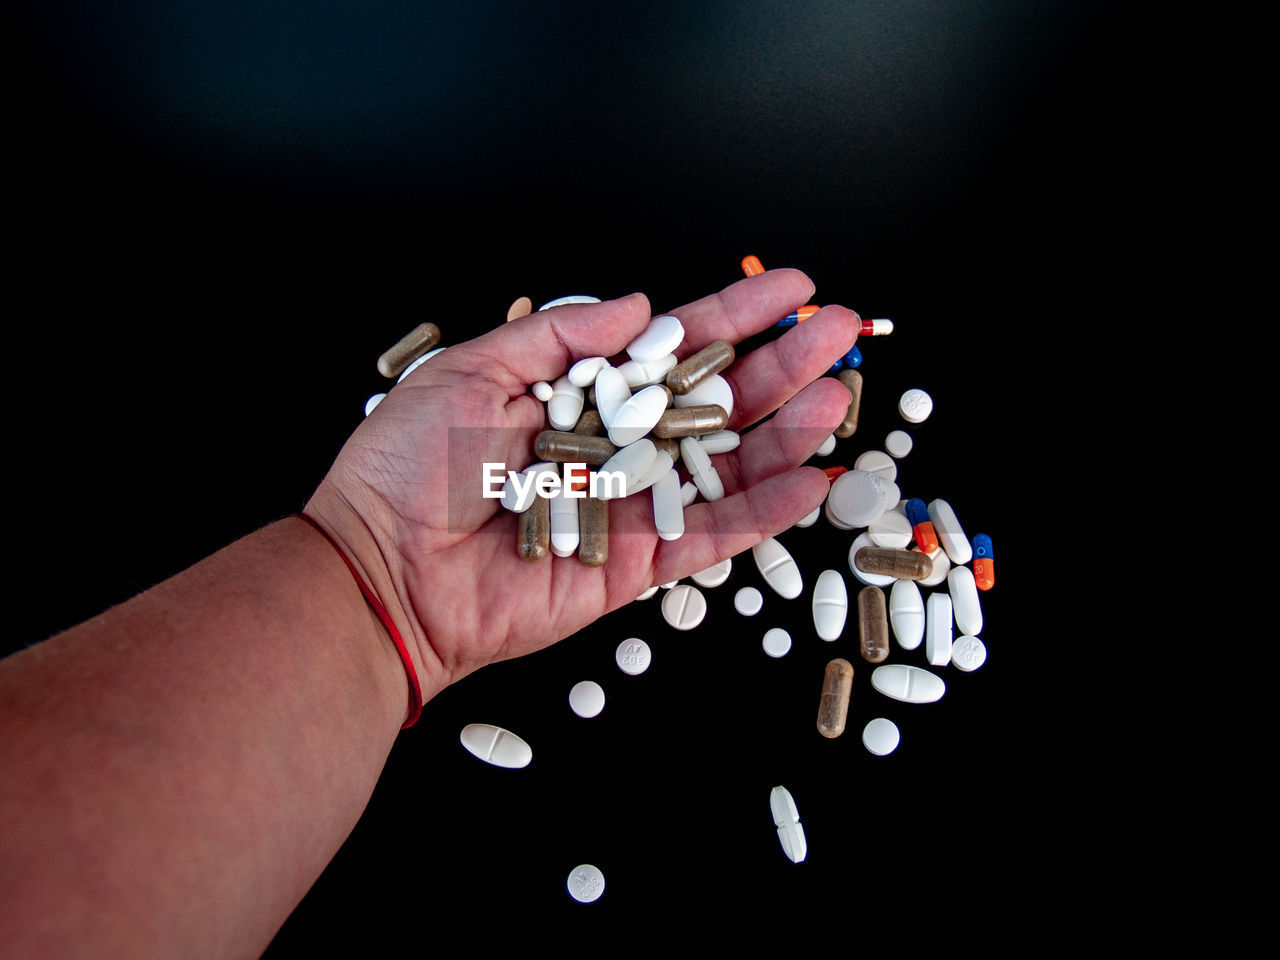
{"points": [[810, 518], [915, 405], [572, 298], [645, 374], [688, 492], [502, 748], [660, 338], [586, 698], [372, 403], [879, 463], [637, 416], [612, 392], [787, 819], [776, 642], [684, 607], [565, 405], [968, 653], [564, 525], [881, 736], [950, 533], [542, 390], [668, 511], [858, 497], [585, 883], [830, 605], [964, 600], [583, 373], [908, 684], [891, 529], [660, 467], [714, 389], [722, 441], [698, 463], [898, 443], [715, 574], [633, 656], [941, 567], [868, 579], [778, 568], [632, 461], [519, 493], [748, 601], [828, 447], [937, 629], [906, 614]]}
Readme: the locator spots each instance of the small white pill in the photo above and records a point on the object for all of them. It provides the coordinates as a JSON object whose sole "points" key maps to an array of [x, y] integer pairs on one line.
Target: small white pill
{"points": [[637, 416], [659, 339], [542, 390], [777, 642], [898, 444], [964, 600], [915, 405], [585, 883], [586, 698], [748, 601], [715, 389], [645, 374], [968, 653], [688, 492], [722, 441], [699, 466], [868, 579], [583, 373], [950, 533], [937, 629], [715, 574], [684, 607], [810, 518], [787, 819], [891, 529], [648, 593], [565, 405], [633, 656], [908, 684], [668, 511], [778, 568], [881, 736], [632, 461], [502, 748], [371, 404], [879, 463], [906, 614], [573, 298], [830, 605], [828, 447], [858, 497]]}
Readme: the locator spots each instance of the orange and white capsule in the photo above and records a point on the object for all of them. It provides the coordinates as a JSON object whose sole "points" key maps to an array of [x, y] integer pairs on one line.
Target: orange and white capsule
{"points": [[921, 525], [984, 570]]}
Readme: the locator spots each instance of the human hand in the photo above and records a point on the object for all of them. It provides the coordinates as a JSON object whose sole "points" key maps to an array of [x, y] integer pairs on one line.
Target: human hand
{"points": [[448, 558]]}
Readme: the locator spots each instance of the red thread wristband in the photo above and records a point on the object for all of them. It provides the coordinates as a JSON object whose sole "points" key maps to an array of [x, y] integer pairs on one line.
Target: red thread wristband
{"points": [[415, 689]]}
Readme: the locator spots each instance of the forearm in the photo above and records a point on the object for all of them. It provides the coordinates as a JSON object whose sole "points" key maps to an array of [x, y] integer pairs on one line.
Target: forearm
{"points": [[178, 771]]}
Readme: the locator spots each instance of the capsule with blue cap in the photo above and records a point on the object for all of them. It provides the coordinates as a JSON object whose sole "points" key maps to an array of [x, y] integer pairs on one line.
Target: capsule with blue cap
{"points": [[984, 570], [921, 525]]}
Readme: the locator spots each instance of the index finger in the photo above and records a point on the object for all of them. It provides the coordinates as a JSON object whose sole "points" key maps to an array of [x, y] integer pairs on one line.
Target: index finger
{"points": [[742, 309]]}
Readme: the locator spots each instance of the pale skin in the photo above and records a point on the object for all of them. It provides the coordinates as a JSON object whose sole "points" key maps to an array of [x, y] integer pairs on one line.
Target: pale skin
{"points": [[178, 771]]}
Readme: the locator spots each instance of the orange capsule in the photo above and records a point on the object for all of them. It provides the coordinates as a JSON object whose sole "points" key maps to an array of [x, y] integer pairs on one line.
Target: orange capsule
{"points": [[984, 567], [752, 266], [834, 472]]}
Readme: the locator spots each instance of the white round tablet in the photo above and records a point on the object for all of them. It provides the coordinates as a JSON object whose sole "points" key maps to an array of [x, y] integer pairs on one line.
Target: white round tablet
{"points": [[868, 579], [684, 607], [857, 497], [891, 529], [810, 518], [879, 463], [881, 736], [968, 653], [898, 444], [777, 642], [828, 446], [915, 405], [648, 593], [748, 601], [586, 883], [941, 567], [714, 575], [633, 656], [371, 404], [586, 698]]}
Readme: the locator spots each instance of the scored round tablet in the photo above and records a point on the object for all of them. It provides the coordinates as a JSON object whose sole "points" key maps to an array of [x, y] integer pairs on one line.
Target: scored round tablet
{"points": [[715, 574], [881, 736], [586, 698], [633, 656], [879, 463], [748, 601], [684, 607]]}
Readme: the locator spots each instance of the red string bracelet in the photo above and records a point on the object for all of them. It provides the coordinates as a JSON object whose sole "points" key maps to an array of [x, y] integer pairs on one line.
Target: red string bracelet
{"points": [[415, 689]]}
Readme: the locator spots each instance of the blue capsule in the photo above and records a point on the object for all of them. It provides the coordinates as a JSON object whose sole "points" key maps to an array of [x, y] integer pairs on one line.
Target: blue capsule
{"points": [[853, 358]]}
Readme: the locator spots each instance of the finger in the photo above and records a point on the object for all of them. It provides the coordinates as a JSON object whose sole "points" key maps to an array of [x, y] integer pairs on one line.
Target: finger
{"points": [[742, 309]]}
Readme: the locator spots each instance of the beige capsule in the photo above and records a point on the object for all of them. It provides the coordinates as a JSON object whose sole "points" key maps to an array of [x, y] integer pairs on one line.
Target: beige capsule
{"points": [[561, 447], [520, 307], [409, 348], [833, 706], [852, 380], [593, 528], [590, 424], [707, 362], [691, 421], [873, 625], [533, 539], [900, 564], [669, 444]]}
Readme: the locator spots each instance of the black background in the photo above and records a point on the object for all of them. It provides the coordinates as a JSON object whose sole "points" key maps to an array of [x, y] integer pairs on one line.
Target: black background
{"points": [[223, 216]]}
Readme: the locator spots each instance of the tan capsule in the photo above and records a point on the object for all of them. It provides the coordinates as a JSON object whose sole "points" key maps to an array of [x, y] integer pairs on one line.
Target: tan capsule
{"points": [[873, 625], [533, 540], [833, 707], [561, 447], [900, 564], [669, 444], [590, 424], [411, 346], [671, 397], [522, 307], [691, 421], [852, 380], [593, 528], [707, 362]]}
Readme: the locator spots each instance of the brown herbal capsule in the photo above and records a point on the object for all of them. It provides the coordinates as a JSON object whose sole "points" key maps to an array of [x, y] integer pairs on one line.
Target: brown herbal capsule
{"points": [[533, 541], [671, 397], [691, 371], [833, 707], [873, 625], [410, 347], [852, 380], [900, 564], [560, 447], [590, 424], [691, 421], [669, 444], [593, 528]]}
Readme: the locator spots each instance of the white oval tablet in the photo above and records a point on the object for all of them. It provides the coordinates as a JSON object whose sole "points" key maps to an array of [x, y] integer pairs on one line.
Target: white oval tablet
{"points": [[937, 629], [372, 403], [778, 569], [648, 593], [715, 574], [668, 511], [637, 416], [565, 405], [908, 684], [810, 518], [645, 374], [915, 405], [891, 529], [906, 614], [660, 467], [968, 653], [714, 389], [964, 600], [586, 698], [858, 497], [748, 601], [898, 443], [722, 441], [612, 392], [699, 466], [684, 607], [574, 298], [950, 533], [830, 605], [583, 373], [776, 642], [633, 656], [585, 883], [502, 748], [787, 819], [879, 463], [632, 461], [868, 579], [881, 736], [828, 447], [542, 390], [660, 338]]}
